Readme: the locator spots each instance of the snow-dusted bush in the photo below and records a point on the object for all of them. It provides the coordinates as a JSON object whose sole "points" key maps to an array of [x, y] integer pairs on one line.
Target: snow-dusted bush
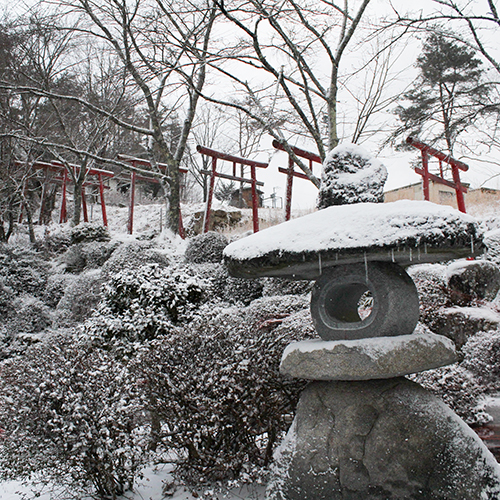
{"points": [[90, 255], [140, 304], [215, 276], [216, 386], [222, 287], [6, 298], [88, 231], [55, 242], [55, 288], [351, 175], [23, 270], [492, 243], [22, 318], [430, 280], [282, 286], [81, 296], [463, 385], [243, 291], [73, 415], [459, 389], [206, 248], [133, 256], [31, 315], [482, 358]]}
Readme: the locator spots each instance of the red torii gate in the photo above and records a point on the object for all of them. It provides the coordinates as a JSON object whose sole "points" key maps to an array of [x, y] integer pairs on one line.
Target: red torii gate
{"points": [[64, 179], [455, 165], [134, 176], [216, 155], [301, 153]]}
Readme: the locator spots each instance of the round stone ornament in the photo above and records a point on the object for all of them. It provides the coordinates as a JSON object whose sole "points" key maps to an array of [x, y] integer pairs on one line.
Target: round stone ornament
{"points": [[372, 299]]}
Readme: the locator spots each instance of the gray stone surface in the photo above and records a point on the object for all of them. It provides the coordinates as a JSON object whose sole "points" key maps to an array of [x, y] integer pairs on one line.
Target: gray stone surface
{"points": [[335, 301], [375, 358], [469, 281], [461, 323], [380, 440]]}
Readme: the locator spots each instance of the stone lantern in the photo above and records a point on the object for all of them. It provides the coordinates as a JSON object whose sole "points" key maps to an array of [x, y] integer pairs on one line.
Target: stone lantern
{"points": [[362, 431]]}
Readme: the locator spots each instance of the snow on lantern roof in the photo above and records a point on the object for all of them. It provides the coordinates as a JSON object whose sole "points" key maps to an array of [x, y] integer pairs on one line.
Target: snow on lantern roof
{"points": [[406, 232]]}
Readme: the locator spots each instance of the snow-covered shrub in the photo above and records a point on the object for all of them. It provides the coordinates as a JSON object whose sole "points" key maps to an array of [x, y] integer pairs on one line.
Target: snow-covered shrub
{"points": [[459, 389], [430, 280], [6, 298], [206, 247], [31, 315], [351, 175], [73, 415], [140, 304], [55, 288], [133, 256], [90, 255], [81, 296], [23, 270], [492, 244], [73, 259], [482, 358], [23, 324], [300, 321], [88, 231], [215, 384], [215, 276], [55, 242], [243, 291], [282, 286]]}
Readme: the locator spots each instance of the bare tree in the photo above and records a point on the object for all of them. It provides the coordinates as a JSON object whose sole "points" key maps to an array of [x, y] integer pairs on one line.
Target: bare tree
{"points": [[163, 46], [291, 55], [48, 117]]}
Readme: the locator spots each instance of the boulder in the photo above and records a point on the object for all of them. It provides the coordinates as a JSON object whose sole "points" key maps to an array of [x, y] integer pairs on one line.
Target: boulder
{"points": [[380, 440], [219, 219], [461, 323], [373, 358], [470, 281]]}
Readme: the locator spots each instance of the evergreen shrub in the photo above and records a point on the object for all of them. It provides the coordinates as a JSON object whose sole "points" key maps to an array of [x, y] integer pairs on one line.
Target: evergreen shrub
{"points": [[215, 384]]}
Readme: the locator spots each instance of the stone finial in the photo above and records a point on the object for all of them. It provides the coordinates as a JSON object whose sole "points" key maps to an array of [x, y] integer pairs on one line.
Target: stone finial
{"points": [[351, 175]]}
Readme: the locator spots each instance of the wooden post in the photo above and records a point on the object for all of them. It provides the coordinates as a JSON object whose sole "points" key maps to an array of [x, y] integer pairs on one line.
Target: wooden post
{"points": [[131, 205], [255, 200], [425, 177], [103, 204], [289, 184], [208, 208], [63, 215]]}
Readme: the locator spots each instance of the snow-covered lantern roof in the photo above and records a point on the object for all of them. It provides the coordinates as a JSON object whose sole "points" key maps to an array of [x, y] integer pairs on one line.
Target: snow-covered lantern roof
{"points": [[405, 232]]}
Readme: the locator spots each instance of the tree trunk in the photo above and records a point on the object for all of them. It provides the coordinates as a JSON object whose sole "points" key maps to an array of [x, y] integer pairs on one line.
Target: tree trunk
{"points": [[29, 217], [333, 139], [77, 195], [174, 205]]}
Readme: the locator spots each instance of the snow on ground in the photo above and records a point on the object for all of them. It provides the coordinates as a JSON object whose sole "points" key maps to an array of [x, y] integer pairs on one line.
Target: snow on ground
{"points": [[150, 487]]}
